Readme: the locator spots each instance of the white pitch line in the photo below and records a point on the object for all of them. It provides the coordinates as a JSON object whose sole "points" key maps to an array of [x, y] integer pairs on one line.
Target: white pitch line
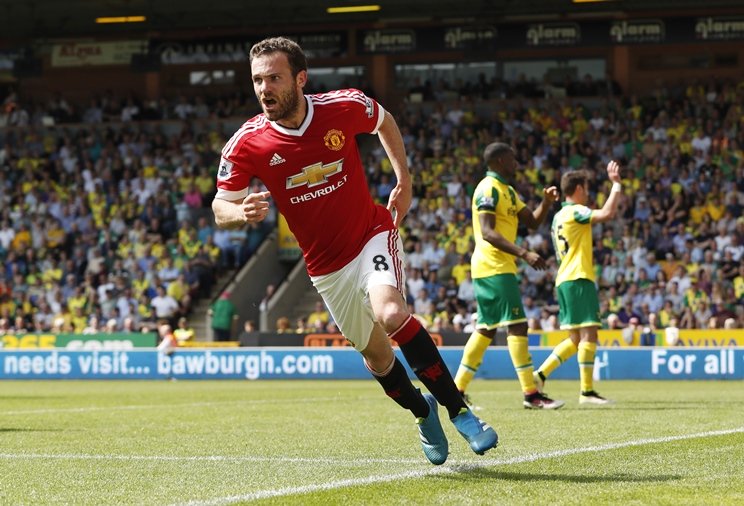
{"points": [[458, 467], [160, 406]]}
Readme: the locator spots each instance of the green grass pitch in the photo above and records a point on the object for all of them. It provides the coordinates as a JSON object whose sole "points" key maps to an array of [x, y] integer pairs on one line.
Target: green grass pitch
{"points": [[343, 442]]}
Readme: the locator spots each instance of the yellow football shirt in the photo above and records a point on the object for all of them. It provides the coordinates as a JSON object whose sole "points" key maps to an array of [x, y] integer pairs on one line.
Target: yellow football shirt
{"points": [[572, 238], [494, 195]]}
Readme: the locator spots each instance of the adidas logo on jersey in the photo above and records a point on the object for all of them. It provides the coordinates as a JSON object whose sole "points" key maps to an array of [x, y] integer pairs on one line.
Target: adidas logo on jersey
{"points": [[276, 160]]}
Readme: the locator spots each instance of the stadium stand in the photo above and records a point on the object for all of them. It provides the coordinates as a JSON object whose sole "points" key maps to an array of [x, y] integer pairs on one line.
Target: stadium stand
{"points": [[672, 159], [107, 224], [85, 222]]}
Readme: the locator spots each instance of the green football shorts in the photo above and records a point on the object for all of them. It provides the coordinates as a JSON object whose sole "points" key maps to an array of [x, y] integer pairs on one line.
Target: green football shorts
{"points": [[499, 301], [579, 304]]}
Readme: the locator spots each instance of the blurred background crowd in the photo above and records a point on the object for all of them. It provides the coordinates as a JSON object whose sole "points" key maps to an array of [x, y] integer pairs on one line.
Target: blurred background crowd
{"points": [[109, 229], [105, 222]]}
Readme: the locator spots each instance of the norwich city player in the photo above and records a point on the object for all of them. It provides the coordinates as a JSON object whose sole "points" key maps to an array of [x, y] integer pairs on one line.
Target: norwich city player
{"points": [[575, 282], [497, 211]]}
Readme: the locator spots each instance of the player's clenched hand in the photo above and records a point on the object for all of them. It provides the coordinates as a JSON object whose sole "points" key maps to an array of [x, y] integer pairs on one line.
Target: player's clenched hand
{"points": [[613, 171], [550, 194], [255, 206], [400, 201], [535, 261]]}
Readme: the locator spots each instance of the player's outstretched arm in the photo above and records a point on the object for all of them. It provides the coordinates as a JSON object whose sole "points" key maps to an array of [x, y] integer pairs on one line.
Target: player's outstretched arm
{"points": [[236, 213], [609, 209], [392, 142]]}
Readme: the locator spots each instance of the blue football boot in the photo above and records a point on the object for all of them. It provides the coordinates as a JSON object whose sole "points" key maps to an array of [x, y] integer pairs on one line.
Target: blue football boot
{"points": [[476, 432], [433, 440]]}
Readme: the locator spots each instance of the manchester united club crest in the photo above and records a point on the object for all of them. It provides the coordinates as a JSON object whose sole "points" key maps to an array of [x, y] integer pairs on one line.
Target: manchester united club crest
{"points": [[334, 140]]}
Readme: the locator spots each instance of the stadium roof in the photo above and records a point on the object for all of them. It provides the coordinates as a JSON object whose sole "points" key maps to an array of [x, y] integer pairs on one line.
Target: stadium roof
{"points": [[76, 18]]}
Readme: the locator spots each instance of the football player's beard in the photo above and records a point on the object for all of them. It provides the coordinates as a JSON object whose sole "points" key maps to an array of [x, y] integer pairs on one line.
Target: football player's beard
{"points": [[287, 105]]}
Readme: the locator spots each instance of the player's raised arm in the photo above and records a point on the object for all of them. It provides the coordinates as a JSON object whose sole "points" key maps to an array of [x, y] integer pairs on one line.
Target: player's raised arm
{"points": [[392, 142], [609, 209]]}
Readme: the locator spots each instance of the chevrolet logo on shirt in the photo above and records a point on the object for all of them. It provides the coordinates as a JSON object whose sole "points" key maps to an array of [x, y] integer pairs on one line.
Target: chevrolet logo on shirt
{"points": [[314, 175]]}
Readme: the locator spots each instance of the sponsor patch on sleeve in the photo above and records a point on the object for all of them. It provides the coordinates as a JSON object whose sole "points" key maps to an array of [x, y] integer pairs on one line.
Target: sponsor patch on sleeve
{"points": [[486, 201], [369, 106], [225, 169]]}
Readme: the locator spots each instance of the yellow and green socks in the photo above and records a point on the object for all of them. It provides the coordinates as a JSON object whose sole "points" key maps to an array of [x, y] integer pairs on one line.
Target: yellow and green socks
{"points": [[587, 351], [520, 356], [565, 350], [472, 358]]}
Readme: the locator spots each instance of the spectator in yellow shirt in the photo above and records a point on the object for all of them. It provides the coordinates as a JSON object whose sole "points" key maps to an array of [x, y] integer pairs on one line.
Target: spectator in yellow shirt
{"points": [[22, 240], [79, 320], [77, 300], [179, 290], [698, 211], [184, 333], [739, 284], [460, 270], [318, 318], [715, 207]]}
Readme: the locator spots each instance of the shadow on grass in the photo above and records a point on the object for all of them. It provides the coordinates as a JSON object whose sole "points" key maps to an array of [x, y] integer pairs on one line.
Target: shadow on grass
{"points": [[568, 478], [637, 409], [29, 397], [26, 429], [692, 402]]}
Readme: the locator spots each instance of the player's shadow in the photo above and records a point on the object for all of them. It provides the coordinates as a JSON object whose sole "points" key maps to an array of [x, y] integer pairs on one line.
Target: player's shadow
{"points": [[568, 478], [666, 405]]}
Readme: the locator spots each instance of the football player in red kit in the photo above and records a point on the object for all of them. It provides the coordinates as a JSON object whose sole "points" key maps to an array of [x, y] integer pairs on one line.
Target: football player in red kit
{"points": [[303, 148]]}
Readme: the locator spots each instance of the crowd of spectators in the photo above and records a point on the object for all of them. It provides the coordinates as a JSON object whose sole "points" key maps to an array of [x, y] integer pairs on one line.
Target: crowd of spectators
{"points": [[108, 229], [96, 223], [674, 255], [107, 107], [111, 108]]}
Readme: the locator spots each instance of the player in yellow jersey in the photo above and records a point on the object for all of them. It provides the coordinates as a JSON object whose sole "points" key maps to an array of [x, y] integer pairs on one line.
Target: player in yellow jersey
{"points": [[575, 282], [497, 211]]}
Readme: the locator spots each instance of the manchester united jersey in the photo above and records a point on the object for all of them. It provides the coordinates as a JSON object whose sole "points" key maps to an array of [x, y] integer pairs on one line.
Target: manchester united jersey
{"points": [[314, 174]]}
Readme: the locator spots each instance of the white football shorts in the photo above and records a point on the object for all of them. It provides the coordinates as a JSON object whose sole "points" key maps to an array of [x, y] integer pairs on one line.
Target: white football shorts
{"points": [[346, 291]]}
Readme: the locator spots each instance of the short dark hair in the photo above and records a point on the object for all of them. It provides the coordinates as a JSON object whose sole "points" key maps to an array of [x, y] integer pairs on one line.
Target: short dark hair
{"points": [[573, 179], [295, 55], [495, 150]]}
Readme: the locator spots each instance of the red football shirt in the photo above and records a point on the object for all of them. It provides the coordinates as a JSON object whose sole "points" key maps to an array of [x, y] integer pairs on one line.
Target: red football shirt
{"points": [[315, 175]]}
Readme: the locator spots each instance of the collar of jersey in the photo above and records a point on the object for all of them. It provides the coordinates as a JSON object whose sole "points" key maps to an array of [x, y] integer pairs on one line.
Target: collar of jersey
{"points": [[297, 132], [567, 203], [495, 174]]}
